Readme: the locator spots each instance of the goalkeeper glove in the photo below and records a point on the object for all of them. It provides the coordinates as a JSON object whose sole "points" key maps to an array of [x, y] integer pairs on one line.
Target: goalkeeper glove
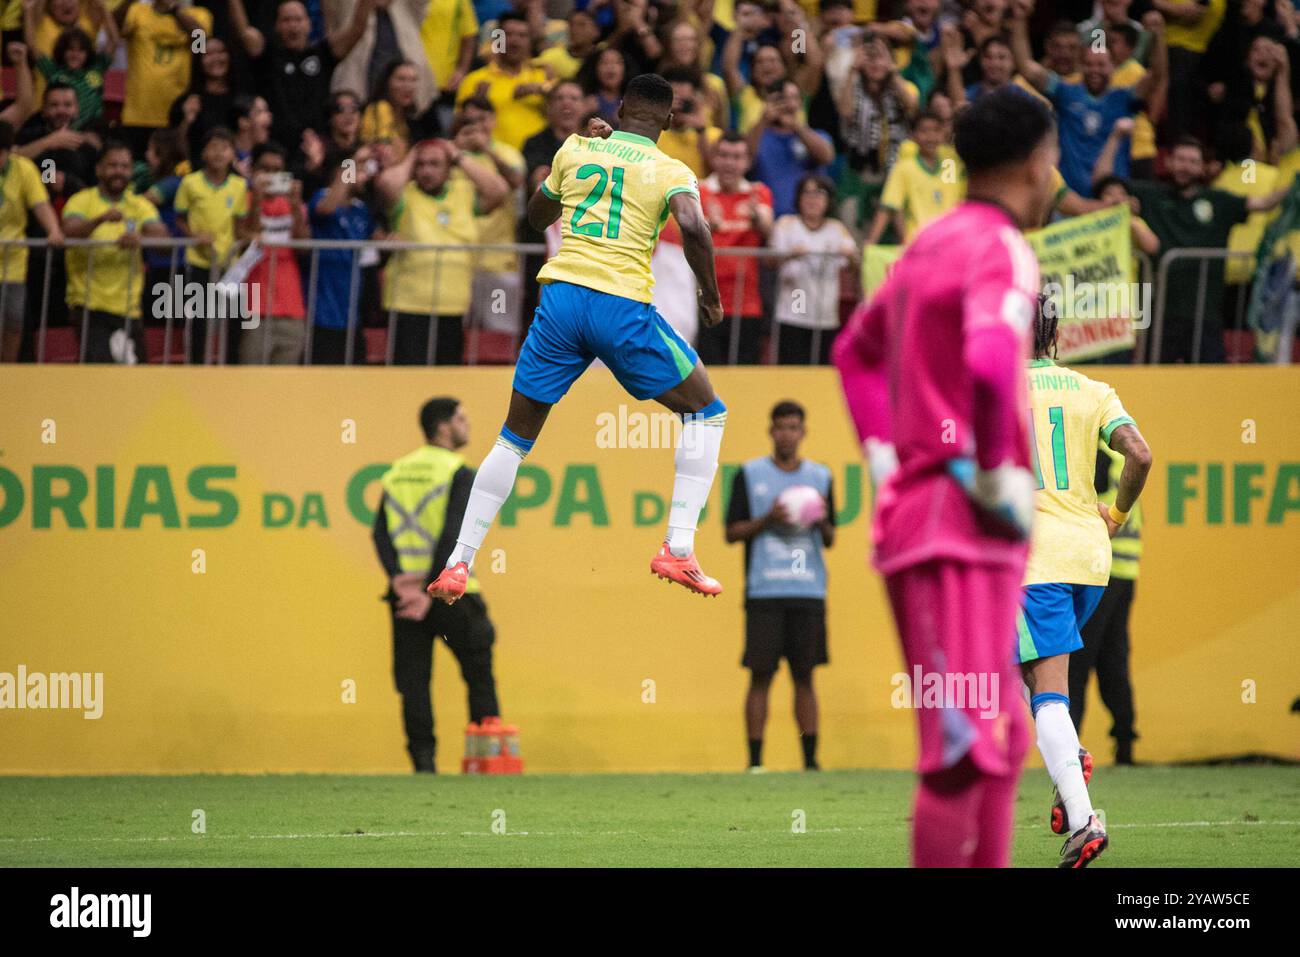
{"points": [[1004, 493], [882, 460]]}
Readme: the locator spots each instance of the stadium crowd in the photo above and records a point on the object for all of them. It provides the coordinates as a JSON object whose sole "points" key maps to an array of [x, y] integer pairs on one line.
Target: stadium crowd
{"points": [[816, 128]]}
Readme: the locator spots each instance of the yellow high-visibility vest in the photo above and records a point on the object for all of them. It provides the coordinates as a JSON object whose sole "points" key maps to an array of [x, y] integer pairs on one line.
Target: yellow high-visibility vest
{"points": [[1126, 546], [416, 490]]}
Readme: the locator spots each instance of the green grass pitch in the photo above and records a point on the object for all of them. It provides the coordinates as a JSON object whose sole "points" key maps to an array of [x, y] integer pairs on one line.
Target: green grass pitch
{"points": [[1158, 816]]}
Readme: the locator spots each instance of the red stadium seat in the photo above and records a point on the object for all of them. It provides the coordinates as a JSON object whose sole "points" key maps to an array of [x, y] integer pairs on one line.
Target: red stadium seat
{"points": [[491, 348], [115, 86], [154, 339], [376, 345], [61, 345], [1239, 345]]}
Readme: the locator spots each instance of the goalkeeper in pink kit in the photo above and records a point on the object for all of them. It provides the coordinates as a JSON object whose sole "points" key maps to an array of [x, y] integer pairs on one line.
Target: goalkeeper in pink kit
{"points": [[933, 373]]}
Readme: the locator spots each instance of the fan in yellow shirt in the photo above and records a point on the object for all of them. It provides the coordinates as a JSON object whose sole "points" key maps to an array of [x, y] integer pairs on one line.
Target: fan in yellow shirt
{"points": [[448, 33], [158, 54], [42, 35], [434, 196], [108, 279], [21, 194], [1244, 176], [563, 60], [920, 187], [1194, 35], [210, 201], [516, 89], [497, 297]]}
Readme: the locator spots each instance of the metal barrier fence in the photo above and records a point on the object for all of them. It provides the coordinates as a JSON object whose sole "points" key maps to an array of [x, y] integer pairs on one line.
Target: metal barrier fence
{"points": [[1206, 255], [216, 328]]}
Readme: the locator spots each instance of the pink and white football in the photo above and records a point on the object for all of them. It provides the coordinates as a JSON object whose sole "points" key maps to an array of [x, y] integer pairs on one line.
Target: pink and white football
{"points": [[803, 504]]}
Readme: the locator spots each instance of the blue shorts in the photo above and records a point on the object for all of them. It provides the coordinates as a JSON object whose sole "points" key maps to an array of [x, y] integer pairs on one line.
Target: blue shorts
{"points": [[574, 324], [1050, 618]]}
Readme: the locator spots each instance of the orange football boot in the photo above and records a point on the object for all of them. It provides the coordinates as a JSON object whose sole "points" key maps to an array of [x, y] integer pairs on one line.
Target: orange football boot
{"points": [[683, 571], [450, 583]]}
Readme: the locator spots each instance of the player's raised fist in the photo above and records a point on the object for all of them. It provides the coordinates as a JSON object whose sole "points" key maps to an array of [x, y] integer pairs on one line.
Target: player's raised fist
{"points": [[598, 128]]}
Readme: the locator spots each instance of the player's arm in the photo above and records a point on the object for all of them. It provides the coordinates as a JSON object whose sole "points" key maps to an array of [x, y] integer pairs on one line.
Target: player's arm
{"points": [[1128, 442], [859, 354], [697, 243], [997, 309], [1000, 304], [545, 205], [543, 209]]}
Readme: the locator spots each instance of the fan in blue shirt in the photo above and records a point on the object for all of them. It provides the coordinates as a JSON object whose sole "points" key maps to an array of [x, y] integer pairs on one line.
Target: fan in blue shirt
{"points": [[1087, 112]]}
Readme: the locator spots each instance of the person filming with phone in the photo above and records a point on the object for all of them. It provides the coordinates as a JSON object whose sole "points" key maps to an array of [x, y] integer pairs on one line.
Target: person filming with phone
{"points": [[274, 285]]}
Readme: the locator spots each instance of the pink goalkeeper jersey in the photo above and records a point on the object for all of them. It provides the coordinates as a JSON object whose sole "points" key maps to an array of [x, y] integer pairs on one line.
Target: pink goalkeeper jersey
{"points": [[935, 363]]}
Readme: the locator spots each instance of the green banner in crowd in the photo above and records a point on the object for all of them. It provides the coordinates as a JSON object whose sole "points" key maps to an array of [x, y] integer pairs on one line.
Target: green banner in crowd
{"points": [[1086, 270]]}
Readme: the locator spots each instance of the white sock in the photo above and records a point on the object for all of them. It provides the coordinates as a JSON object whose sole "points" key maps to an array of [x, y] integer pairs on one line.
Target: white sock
{"points": [[696, 461], [492, 485], [1058, 743]]}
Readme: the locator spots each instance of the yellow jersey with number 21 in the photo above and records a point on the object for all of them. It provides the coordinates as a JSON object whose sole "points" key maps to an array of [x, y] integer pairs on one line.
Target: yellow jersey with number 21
{"points": [[614, 194]]}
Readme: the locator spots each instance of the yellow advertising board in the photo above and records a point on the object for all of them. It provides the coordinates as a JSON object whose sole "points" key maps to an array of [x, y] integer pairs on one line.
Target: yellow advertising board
{"points": [[199, 540]]}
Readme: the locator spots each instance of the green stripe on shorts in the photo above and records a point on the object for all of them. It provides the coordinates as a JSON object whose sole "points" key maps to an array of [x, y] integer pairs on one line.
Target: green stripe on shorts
{"points": [[684, 365], [1027, 650]]}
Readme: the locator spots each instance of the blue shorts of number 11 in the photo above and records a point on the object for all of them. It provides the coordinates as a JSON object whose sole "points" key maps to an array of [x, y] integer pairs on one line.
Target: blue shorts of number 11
{"points": [[574, 325]]}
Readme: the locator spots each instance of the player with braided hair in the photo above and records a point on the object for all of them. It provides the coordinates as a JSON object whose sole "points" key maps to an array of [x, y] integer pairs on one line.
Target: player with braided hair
{"points": [[1069, 563]]}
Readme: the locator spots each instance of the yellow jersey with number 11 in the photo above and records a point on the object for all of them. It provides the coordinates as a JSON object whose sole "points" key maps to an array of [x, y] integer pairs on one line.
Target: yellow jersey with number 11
{"points": [[1068, 413], [614, 194]]}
